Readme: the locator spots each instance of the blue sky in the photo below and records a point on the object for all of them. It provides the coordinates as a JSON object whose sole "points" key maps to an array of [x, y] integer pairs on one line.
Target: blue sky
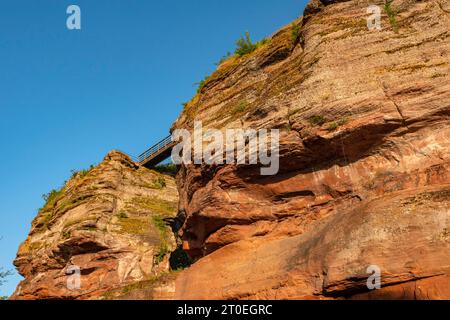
{"points": [[68, 97]]}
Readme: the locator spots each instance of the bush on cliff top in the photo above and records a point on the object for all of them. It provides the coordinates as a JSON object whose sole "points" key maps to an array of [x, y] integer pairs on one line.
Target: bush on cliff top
{"points": [[161, 226], [52, 196], [295, 33], [202, 83], [81, 173], [244, 45], [159, 183]]}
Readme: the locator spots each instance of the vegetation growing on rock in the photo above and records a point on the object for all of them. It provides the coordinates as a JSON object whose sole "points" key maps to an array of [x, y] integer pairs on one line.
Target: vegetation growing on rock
{"points": [[103, 219]]}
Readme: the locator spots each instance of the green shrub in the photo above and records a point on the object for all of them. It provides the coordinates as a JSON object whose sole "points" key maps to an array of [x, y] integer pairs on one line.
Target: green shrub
{"points": [[3, 276], [240, 108], [161, 226], [66, 234], [342, 121], [202, 83], [317, 120], [224, 58], [392, 14], [81, 173], [122, 215], [244, 45], [163, 251], [46, 219], [295, 33], [333, 126], [160, 183], [262, 42], [51, 197]]}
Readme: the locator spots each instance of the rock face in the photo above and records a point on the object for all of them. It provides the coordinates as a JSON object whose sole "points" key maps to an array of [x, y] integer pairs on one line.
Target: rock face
{"points": [[363, 186], [111, 222], [364, 161]]}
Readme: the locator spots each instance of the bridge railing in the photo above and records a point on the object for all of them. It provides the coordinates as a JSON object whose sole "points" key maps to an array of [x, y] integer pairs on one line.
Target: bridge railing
{"points": [[157, 148]]}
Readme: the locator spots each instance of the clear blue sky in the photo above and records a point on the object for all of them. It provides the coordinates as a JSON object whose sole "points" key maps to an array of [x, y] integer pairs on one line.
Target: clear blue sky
{"points": [[68, 97]]}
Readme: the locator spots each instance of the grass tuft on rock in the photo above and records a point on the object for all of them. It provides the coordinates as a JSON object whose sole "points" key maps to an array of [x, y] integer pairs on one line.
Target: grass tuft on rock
{"points": [[240, 108], [332, 126], [317, 120], [392, 14]]}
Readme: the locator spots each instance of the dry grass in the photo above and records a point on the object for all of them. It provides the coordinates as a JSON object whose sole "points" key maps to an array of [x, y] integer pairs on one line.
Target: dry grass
{"points": [[139, 226], [154, 205]]}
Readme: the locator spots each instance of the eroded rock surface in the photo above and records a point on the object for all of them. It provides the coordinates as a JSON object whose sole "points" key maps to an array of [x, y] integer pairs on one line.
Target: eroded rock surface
{"points": [[364, 177], [364, 161], [111, 222]]}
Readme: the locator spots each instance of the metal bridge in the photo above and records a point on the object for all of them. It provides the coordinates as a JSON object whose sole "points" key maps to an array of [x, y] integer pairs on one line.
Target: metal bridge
{"points": [[156, 154]]}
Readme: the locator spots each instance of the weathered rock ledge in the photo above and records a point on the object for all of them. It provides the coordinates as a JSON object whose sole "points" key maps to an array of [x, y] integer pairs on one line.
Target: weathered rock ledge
{"points": [[364, 177], [112, 222], [364, 162]]}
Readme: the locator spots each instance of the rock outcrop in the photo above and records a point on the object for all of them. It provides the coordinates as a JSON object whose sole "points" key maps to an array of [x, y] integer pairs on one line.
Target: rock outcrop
{"points": [[364, 161], [364, 181], [111, 222]]}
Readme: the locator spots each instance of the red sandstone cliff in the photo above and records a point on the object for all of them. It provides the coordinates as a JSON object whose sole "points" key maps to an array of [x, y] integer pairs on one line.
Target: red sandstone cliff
{"points": [[364, 162], [364, 175]]}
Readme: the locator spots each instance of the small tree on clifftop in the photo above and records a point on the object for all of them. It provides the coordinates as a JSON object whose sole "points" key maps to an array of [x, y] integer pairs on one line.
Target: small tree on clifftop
{"points": [[3, 275], [244, 45]]}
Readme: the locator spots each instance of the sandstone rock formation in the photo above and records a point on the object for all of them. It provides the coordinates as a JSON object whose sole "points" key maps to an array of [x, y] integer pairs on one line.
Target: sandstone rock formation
{"points": [[364, 161], [111, 222], [364, 176]]}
